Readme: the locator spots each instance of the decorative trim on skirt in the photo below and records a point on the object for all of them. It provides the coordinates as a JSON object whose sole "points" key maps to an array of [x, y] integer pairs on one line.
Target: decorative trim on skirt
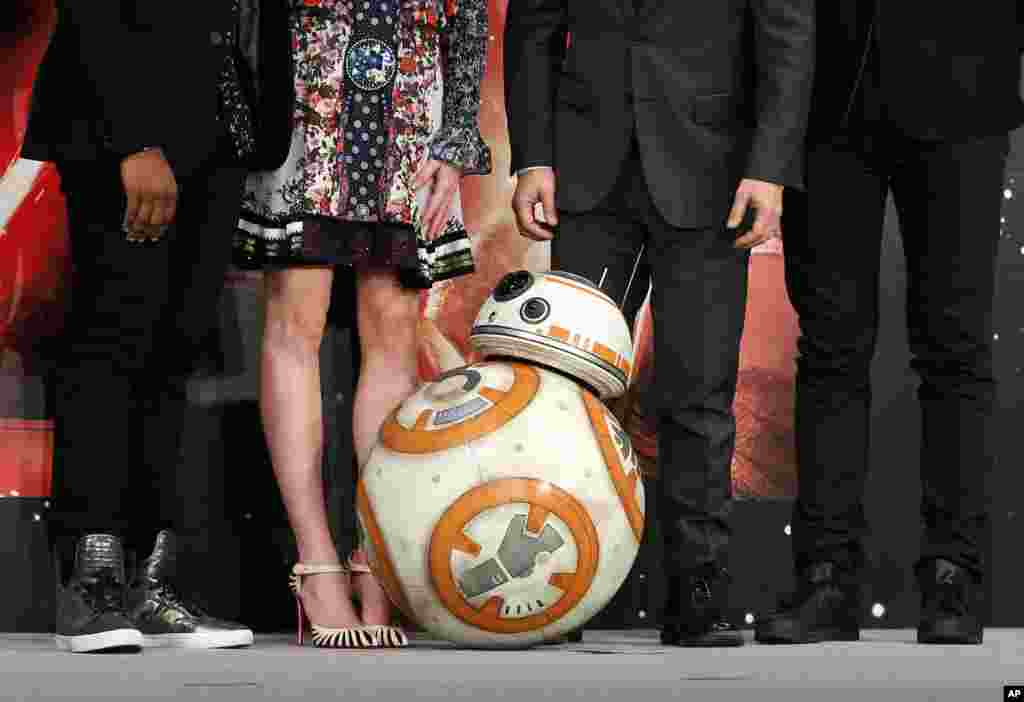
{"points": [[316, 240]]}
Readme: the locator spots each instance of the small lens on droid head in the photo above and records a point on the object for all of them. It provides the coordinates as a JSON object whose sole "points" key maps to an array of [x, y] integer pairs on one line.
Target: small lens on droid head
{"points": [[535, 310]]}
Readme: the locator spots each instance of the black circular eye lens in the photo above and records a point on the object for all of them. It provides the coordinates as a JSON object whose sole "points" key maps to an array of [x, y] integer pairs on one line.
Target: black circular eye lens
{"points": [[535, 310], [513, 285]]}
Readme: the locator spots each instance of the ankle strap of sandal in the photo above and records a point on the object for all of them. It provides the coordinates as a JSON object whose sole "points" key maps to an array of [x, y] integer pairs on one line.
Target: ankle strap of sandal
{"points": [[318, 568], [357, 566]]}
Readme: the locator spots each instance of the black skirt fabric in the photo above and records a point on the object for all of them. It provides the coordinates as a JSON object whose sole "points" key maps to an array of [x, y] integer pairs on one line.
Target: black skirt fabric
{"points": [[325, 241]]}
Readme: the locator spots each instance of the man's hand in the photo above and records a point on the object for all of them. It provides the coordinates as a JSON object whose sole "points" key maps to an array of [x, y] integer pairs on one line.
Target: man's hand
{"points": [[152, 191], [444, 180], [766, 199], [536, 186]]}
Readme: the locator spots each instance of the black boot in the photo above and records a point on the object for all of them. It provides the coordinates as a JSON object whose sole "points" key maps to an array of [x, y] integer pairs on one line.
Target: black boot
{"points": [[949, 605], [825, 607], [90, 607], [167, 619], [694, 612]]}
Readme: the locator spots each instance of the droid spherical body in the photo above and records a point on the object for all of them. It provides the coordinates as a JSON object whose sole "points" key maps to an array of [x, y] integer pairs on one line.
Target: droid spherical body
{"points": [[503, 505]]}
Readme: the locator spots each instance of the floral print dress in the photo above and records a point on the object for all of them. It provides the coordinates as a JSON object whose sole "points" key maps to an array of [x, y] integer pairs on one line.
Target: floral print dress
{"points": [[381, 86]]}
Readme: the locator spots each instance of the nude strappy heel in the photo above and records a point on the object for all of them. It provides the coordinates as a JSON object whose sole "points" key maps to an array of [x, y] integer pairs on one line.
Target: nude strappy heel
{"points": [[322, 636], [388, 636]]}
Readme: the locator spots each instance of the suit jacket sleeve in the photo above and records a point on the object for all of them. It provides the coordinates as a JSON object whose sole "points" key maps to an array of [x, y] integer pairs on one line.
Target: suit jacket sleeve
{"points": [[535, 43], [784, 55], [266, 69], [130, 55], [1020, 24]]}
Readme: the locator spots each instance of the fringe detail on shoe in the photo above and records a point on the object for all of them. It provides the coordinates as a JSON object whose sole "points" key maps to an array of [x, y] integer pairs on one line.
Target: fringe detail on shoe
{"points": [[391, 637], [355, 637]]}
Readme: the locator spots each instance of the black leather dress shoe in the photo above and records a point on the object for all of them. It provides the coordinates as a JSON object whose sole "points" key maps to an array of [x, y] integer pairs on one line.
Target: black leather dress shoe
{"points": [[165, 618], [90, 608], [949, 605], [825, 607], [694, 612]]}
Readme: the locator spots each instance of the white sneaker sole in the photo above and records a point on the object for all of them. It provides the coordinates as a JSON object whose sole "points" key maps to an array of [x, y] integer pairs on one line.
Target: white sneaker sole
{"points": [[86, 643], [220, 639]]}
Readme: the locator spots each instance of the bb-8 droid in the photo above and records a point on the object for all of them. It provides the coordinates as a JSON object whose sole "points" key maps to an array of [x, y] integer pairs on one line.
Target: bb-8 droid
{"points": [[503, 504]]}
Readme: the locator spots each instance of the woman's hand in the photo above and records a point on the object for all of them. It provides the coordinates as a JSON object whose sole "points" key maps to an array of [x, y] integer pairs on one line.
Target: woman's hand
{"points": [[443, 181]]}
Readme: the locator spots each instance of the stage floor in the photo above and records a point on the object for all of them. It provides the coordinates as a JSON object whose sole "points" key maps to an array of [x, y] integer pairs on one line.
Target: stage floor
{"points": [[632, 666]]}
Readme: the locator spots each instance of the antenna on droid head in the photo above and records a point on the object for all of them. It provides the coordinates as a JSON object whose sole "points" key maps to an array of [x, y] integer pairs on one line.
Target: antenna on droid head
{"points": [[632, 276]]}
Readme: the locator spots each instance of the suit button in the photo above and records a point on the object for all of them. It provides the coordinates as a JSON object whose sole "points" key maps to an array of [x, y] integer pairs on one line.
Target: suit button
{"points": [[216, 38]]}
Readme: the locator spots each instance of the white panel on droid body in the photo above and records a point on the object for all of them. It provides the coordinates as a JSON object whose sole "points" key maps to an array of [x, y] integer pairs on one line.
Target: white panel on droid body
{"points": [[559, 320], [503, 504]]}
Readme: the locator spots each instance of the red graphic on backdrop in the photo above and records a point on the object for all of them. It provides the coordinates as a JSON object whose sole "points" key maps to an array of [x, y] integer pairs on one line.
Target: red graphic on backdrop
{"points": [[33, 259]]}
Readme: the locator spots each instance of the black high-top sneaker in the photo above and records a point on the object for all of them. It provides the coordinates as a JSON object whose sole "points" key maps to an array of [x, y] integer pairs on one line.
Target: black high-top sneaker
{"points": [[824, 607], [695, 610], [164, 617], [90, 607], [948, 605]]}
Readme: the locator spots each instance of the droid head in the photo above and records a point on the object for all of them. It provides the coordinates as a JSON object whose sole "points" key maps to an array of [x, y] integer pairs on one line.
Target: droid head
{"points": [[559, 320]]}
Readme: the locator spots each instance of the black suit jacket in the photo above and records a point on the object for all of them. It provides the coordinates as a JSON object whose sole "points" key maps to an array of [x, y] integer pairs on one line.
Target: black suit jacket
{"points": [[721, 91], [122, 75], [948, 72]]}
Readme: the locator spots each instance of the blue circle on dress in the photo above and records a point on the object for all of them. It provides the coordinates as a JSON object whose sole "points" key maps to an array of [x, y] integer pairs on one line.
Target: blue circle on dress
{"points": [[371, 64]]}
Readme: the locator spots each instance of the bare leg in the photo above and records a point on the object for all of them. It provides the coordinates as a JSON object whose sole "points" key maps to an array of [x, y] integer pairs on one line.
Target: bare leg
{"points": [[292, 410], [387, 315]]}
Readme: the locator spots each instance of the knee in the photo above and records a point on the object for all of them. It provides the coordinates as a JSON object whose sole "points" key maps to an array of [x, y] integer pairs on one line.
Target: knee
{"points": [[841, 357], [294, 330], [966, 361], [942, 343], [389, 321]]}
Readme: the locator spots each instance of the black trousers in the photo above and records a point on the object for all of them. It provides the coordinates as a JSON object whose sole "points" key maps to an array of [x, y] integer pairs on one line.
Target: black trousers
{"points": [[140, 317], [948, 196], [698, 304]]}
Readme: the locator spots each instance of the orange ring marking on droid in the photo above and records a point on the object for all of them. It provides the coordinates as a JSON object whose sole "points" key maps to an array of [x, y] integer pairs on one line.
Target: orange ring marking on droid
{"points": [[563, 581], [492, 394], [623, 485], [536, 518], [466, 545], [493, 494], [423, 419], [492, 607], [397, 438], [385, 570]]}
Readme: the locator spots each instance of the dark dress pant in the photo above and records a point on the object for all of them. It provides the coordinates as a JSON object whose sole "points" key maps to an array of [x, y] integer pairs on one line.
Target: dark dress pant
{"points": [[698, 304]]}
